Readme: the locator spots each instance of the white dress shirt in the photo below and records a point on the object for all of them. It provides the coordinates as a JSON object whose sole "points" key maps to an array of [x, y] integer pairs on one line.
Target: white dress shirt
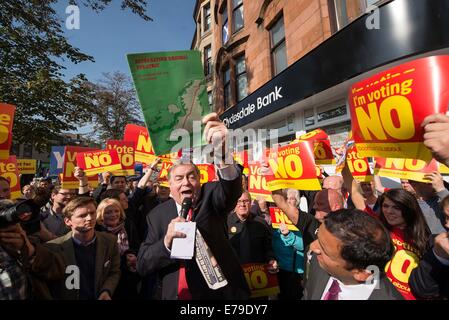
{"points": [[351, 292]]}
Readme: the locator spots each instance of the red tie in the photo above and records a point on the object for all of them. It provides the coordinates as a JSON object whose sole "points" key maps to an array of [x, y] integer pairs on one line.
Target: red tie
{"points": [[189, 215], [183, 288]]}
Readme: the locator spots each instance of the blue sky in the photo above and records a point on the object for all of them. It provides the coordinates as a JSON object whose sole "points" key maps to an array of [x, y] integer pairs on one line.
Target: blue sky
{"points": [[113, 33]]}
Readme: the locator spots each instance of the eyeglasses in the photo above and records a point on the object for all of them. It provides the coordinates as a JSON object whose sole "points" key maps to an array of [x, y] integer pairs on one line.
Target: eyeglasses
{"points": [[243, 201]]}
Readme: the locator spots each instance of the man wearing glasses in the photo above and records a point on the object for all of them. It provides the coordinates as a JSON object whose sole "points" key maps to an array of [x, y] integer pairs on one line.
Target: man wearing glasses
{"points": [[250, 235], [52, 217]]}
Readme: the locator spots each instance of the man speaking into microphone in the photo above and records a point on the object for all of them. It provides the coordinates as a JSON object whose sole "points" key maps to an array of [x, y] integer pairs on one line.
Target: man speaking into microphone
{"points": [[210, 204]]}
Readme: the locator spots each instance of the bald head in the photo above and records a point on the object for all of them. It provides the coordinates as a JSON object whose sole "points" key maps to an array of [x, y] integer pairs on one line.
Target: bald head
{"points": [[333, 183], [327, 200]]}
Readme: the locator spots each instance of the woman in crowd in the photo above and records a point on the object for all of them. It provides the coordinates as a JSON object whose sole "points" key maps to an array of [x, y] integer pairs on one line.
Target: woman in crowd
{"points": [[401, 214], [289, 251], [111, 218]]}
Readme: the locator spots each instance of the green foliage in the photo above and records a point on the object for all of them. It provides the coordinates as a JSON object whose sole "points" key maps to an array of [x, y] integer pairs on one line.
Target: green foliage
{"points": [[114, 105], [32, 46]]}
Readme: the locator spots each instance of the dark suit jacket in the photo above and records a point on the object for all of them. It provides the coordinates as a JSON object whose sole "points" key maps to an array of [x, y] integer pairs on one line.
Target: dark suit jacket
{"points": [[59, 253], [216, 200], [259, 237], [308, 226], [431, 278], [317, 279]]}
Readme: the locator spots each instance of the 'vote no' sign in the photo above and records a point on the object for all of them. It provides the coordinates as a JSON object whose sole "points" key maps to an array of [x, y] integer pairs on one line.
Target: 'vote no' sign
{"points": [[413, 169], [260, 281], [387, 110], [293, 166], [95, 162]]}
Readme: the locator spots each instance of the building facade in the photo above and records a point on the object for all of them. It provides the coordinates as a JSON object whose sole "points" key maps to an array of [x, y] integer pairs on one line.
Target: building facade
{"points": [[288, 64], [203, 41]]}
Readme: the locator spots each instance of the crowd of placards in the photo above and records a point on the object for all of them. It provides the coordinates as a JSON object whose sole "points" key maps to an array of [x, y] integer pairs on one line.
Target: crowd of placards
{"points": [[101, 231]]}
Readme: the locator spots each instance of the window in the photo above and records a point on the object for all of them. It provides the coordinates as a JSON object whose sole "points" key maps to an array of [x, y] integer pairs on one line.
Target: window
{"points": [[309, 117], [347, 11], [237, 15], [325, 115], [369, 3], [224, 28], [278, 49], [241, 80], [206, 18], [208, 61], [227, 87]]}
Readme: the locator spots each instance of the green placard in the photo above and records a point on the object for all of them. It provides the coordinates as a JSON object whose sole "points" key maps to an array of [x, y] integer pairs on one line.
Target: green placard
{"points": [[171, 88]]}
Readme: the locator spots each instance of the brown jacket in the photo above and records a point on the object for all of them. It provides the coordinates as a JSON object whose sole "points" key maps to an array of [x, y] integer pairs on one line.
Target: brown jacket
{"points": [[50, 272]]}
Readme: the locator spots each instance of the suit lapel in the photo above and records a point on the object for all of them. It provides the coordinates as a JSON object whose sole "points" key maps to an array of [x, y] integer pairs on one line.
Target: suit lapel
{"points": [[100, 260], [173, 210], [68, 250], [319, 280]]}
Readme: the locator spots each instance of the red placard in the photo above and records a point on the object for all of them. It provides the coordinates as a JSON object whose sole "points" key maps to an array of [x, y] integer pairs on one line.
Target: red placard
{"points": [[322, 150], [317, 134], [207, 172], [241, 158], [319, 172], [10, 170], [293, 166], [413, 169], [125, 151], [257, 181], [68, 180], [260, 281], [387, 109], [163, 173], [358, 165], [144, 149], [278, 216], [6, 122], [171, 157], [98, 161]]}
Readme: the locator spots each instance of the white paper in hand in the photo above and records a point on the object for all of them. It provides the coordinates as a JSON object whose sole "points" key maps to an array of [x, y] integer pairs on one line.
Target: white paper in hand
{"points": [[183, 248]]}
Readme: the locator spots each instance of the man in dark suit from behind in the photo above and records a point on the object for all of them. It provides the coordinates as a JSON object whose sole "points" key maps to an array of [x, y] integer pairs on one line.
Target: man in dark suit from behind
{"points": [[211, 204], [350, 244]]}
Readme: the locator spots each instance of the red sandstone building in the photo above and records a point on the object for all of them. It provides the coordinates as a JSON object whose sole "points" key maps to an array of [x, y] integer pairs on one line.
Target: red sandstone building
{"points": [[288, 64]]}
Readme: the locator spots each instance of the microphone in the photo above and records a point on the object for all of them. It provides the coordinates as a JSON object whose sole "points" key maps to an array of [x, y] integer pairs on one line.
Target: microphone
{"points": [[185, 207]]}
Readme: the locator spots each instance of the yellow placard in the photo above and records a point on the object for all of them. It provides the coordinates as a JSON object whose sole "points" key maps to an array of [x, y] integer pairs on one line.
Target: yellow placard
{"points": [[27, 166]]}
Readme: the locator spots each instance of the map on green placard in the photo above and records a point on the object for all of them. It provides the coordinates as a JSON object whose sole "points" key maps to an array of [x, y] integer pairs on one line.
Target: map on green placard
{"points": [[171, 88]]}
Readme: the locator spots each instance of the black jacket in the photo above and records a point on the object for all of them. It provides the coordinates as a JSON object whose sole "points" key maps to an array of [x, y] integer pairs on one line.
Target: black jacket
{"points": [[431, 278], [308, 226], [258, 240], [216, 200]]}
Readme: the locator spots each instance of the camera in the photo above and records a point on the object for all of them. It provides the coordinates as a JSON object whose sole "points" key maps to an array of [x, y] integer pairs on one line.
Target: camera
{"points": [[25, 212]]}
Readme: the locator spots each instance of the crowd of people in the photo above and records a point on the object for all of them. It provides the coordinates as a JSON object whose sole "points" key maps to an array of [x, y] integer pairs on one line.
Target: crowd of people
{"points": [[355, 241]]}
